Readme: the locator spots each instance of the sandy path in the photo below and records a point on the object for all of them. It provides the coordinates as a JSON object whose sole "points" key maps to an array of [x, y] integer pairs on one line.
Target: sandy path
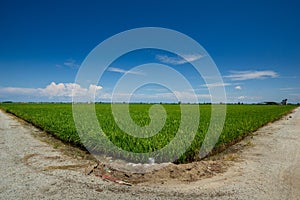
{"points": [[270, 169], [25, 171]]}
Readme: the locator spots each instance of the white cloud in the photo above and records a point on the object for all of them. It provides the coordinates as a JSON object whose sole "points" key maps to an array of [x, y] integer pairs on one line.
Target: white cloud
{"points": [[122, 71], [178, 60], [212, 85], [242, 97], [71, 63], [53, 90], [183, 96], [249, 98], [94, 88], [64, 91], [68, 90], [247, 75], [288, 89], [238, 87], [17, 90]]}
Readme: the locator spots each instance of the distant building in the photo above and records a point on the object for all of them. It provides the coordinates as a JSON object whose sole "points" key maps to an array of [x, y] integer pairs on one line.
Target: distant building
{"points": [[284, 102]]}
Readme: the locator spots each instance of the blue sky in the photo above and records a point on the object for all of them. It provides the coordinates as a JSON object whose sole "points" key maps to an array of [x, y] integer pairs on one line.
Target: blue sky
{"points": [[255, 45]]}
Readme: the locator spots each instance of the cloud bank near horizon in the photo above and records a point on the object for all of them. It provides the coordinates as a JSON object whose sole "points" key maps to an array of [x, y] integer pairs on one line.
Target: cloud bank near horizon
{"points": [[52, 91]]}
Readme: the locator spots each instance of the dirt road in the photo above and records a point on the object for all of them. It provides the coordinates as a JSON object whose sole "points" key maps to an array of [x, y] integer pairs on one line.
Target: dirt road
{"points": [[268, 168]]}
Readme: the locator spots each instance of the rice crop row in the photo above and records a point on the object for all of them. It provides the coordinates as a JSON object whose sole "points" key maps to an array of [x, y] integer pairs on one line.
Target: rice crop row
{"points": [[57, 119]]}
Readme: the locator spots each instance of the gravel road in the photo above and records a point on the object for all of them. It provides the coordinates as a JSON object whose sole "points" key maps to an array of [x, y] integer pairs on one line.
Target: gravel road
{"points": [[269, 168]]}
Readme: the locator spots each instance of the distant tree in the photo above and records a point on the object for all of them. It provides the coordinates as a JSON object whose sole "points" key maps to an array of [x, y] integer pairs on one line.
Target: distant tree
{"points": [[271, 103], [7, 102]]}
